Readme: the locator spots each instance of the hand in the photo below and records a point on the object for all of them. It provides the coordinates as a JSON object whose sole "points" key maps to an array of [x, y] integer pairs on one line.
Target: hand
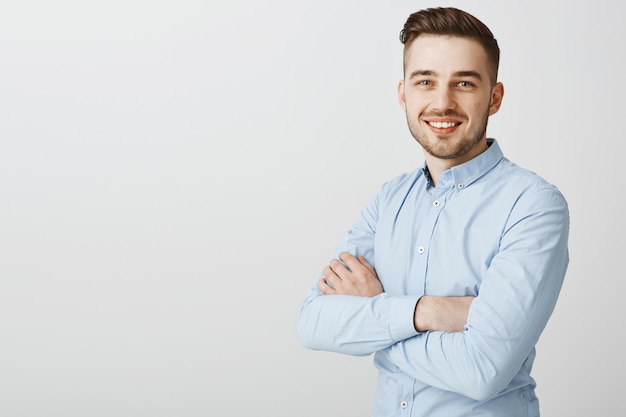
{"points": [[448, 314], [358, 278]]}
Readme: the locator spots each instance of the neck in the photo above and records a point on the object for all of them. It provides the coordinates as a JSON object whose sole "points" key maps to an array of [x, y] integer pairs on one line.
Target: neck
{"points": [[437, 165]]}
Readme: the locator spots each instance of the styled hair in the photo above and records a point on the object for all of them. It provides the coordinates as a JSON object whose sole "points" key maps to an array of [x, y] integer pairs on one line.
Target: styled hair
{"points": [[453, 22]]}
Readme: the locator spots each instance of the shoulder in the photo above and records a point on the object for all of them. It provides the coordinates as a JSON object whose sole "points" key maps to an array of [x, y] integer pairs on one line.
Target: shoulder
{"points": [[522, 178], [527, 188], [402, 183]]}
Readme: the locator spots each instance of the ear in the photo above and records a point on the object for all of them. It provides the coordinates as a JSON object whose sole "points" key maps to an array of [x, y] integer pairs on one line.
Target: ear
{"points": [[401, 96], [497, 92]]}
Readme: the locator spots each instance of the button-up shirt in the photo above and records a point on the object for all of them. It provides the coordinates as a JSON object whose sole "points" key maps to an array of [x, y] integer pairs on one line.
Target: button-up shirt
{"points": [[489, 229]]}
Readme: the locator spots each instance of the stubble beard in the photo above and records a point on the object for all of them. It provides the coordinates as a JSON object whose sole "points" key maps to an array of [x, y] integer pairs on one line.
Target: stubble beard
{"points": [[443, 147]]}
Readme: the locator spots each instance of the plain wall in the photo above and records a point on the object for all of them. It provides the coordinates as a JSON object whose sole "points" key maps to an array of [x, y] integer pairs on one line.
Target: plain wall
{"points": [[175, 174]]}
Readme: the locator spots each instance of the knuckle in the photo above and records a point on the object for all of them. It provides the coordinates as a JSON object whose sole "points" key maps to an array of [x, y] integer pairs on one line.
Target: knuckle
{"points": [[334, 264]]}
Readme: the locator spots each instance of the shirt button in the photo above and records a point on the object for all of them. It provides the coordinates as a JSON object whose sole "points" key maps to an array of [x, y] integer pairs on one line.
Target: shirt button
{"points": [[420, 250], [404, 404], [436, 203], [460, 185]]}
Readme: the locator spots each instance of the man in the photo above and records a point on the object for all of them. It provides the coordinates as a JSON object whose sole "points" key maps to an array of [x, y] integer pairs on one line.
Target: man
{"points": [[451, 272]]}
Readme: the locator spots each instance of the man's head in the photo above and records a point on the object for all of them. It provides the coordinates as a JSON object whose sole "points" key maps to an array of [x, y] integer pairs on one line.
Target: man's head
{"points": [[450, 85], [453, 22]]}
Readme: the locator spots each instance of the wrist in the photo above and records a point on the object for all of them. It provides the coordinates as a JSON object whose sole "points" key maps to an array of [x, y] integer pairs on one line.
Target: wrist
{"points": [[419, 318]]}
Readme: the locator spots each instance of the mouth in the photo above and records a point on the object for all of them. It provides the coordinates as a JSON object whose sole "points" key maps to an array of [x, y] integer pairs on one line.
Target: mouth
{"points": [[443, 127]]}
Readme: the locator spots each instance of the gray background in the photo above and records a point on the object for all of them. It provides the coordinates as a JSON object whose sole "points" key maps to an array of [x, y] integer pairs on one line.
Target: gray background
{"points": [[174, 174]]}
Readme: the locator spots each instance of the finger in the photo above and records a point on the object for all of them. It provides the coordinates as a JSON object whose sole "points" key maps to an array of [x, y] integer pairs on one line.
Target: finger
{"points": [[338, 269], [351, 261], [331, 275], [366, 264], [323, 286]]}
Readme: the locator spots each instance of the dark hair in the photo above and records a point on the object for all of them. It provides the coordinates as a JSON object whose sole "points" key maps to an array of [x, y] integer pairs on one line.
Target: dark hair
{"points": [[453, 22]]}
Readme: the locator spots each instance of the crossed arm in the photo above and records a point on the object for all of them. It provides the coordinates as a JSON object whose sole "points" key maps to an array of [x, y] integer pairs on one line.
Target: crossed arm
{"points": [[350, 275], [441, 341]]}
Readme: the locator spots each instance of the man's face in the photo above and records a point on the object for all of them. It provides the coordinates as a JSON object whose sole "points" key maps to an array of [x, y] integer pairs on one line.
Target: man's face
{"points": [[447, 96]]}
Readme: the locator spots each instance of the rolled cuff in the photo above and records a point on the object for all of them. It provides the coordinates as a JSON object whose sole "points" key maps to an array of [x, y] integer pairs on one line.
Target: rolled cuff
{"points": [[401, 315]]}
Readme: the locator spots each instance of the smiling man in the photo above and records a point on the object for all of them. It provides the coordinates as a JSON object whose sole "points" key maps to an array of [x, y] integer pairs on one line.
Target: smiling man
{"points": [[448, 97], [452, 271]]}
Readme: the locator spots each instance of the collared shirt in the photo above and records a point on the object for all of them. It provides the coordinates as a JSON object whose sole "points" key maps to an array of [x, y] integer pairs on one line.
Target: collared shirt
{"points": [[490, 229]]}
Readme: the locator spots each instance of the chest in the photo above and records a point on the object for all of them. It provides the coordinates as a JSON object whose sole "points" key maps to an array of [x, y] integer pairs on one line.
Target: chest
{"points": [[438, 243]]}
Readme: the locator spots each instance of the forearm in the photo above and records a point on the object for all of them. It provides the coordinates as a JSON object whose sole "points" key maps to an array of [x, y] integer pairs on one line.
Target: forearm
{"points": [[469, 364], [355, 325], [360, 325], [447, 314]]}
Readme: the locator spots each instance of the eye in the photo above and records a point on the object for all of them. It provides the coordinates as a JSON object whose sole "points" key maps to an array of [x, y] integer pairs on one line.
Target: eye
{"points": [[465, 84], [423, 83]]}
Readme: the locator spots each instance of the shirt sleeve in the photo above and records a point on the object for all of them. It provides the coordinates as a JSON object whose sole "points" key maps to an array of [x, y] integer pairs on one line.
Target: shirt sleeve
{"points": [[515, 300], [350, 324]]}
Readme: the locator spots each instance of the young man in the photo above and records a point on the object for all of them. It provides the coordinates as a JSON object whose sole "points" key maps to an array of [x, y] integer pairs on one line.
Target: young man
{"points": [[452, 271]]}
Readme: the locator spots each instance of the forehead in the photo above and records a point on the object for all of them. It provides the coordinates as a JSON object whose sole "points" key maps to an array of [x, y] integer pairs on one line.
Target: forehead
{"points": [[444, 54]]}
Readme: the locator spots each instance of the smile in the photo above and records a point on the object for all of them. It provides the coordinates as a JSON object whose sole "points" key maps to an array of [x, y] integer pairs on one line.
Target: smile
{"points": [[443, 125]]}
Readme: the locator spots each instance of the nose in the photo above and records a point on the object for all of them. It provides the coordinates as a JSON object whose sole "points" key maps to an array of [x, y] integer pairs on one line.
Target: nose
{"points": [[443, 99]]}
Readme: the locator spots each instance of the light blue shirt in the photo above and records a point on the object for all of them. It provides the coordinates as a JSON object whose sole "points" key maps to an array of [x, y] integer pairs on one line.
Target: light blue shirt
{"points": [[489, 229]]}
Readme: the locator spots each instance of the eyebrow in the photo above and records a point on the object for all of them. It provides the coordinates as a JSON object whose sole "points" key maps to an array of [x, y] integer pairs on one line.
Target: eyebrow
{"points": [[429, 73]]}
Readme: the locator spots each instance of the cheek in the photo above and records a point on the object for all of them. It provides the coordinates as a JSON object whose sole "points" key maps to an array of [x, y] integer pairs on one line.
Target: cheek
{"points": [[479, 108], [414, 103]]}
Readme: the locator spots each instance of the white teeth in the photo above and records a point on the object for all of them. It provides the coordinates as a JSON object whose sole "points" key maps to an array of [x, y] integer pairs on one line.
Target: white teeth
{"points": [[442, 125]]}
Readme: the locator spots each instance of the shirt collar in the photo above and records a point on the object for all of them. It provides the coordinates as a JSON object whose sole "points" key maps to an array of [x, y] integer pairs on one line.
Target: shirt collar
{"points": [[465, 174]]}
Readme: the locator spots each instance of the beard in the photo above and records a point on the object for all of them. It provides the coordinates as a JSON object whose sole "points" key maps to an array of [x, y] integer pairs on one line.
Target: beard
{"points": [[443, 146]]}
